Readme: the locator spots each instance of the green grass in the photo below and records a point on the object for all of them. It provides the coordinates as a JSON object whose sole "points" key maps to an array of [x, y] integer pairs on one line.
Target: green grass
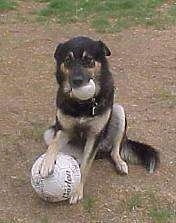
{"points": [[19, 181], [35, 131], [158, 209], [134, 202], [8, 221], [6, 5], [89, 204], [8, 139], [161, 215], [165, 96], [110, 15], [44, 220]]}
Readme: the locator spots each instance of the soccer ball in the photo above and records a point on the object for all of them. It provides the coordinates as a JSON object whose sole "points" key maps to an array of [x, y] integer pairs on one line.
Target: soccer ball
{"points": [[61, 184]]}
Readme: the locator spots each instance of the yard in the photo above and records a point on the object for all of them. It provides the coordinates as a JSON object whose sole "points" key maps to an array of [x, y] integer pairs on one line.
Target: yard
{"points": [[143, 63]]}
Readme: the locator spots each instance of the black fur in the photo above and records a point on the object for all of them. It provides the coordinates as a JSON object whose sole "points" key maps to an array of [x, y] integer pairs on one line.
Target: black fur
{"points": [[105, 97], [131, 151], [76, 108], [140, 153], [96, 48]]}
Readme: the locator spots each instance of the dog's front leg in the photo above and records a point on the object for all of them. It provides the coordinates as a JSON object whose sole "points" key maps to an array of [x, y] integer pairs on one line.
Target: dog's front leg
{"points": [[48, 162], [88, 157]]}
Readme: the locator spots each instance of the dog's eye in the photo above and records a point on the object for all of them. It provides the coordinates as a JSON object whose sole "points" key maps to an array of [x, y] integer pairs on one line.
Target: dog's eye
{"points": [[68, 61], [88, 61]]}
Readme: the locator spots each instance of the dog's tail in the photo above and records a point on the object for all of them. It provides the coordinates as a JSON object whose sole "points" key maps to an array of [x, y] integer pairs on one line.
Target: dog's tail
{"points": [[139, 153]]}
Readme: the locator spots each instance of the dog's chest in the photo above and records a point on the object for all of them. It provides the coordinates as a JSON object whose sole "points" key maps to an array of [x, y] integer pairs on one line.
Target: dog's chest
{"points": [[83, 120], [94, 124]]}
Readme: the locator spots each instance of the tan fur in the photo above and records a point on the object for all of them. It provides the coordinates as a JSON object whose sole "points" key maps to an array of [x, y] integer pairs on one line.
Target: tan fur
{"points": [[66, 83], [51, 153], [95, 123], [90, 129], [115, 154], [95, 71], [88, 157], [64, 69]]}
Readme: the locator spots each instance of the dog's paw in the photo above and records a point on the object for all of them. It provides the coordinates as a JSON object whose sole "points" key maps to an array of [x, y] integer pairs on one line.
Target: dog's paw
{"points": [[77, 195], [122, 167], [47, 165]]}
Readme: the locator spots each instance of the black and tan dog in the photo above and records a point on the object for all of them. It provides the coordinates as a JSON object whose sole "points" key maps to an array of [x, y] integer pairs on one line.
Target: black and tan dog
{"points": [[95, 126]]}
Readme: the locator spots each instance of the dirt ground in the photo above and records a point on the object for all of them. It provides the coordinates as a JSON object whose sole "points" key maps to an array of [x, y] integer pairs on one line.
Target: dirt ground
{"points": [[143, 62]]}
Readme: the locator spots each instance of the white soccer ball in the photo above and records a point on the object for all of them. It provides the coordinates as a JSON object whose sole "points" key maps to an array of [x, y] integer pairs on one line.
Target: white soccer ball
{"points": [[61, 184], [85, 92]]}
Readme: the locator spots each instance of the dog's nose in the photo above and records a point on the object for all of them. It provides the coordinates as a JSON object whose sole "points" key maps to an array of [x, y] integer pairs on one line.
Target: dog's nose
{"points": [[77, 81]]}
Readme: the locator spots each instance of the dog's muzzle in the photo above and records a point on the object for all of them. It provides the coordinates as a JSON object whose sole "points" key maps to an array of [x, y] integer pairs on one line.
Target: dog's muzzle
{"points": [[80, 80]]}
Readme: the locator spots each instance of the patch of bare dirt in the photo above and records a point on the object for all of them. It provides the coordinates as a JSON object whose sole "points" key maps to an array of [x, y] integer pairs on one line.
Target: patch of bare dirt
{"points": [[143, 63]]}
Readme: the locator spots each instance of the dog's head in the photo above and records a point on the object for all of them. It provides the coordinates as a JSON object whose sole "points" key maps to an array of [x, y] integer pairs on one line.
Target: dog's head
{"points": [[80, 60]]}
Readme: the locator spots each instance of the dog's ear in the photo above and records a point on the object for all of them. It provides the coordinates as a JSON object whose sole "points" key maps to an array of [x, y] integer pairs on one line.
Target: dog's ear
{"points": [[57, 51], [104, 48]]}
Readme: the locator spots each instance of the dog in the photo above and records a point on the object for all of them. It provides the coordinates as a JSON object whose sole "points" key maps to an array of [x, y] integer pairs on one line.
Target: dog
{"points": [[91, 127]]}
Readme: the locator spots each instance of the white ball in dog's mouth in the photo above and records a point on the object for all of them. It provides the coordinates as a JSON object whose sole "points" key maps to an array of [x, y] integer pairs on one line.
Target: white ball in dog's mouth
{"points": [[85, 92]]}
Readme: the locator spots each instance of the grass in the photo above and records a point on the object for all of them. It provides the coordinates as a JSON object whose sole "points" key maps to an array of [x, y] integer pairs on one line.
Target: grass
{"points": [[161, 215], [34, 131], [8, 139], [6, 5], [8, 221], [110, 15], [89, 204], [19, 181], [158, 209], [44, 220], [134, 202], [166, 96]]}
